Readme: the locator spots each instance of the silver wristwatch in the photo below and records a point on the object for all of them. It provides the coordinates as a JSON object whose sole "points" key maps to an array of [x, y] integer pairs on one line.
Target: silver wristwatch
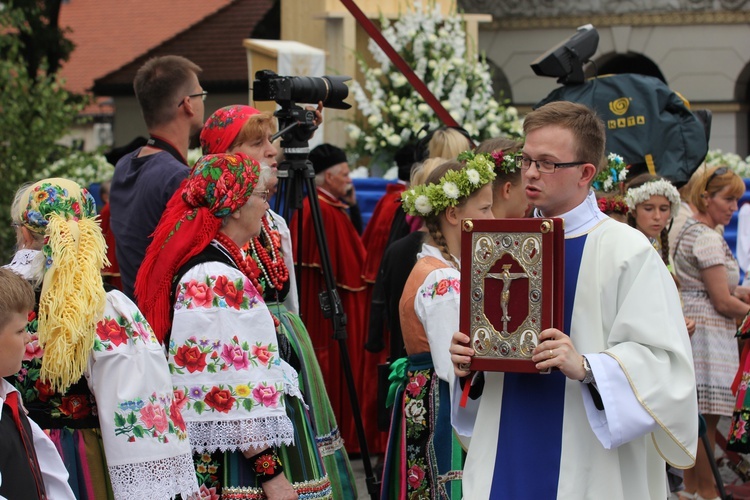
{"points": [[589, 374]]}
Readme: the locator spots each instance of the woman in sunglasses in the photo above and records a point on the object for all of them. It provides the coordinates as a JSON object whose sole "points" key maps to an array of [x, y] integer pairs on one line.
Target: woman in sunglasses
{"points": [[709, 275]]}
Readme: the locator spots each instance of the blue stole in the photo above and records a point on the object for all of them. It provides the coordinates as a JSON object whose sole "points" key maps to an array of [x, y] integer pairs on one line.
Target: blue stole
{"points": [[527, 463]]}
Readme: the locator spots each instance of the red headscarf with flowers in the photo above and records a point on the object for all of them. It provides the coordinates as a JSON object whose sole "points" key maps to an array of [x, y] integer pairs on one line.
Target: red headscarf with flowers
{"points": [[217, 186], [223, 126]]}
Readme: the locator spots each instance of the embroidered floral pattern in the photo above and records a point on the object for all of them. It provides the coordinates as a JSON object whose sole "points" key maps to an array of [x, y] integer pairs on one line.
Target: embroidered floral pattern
{"points": [[198, 355], [113, 332], [416, 415], [43, 403], [223, 397], [156, 418], [441, 288], [217, 291]]}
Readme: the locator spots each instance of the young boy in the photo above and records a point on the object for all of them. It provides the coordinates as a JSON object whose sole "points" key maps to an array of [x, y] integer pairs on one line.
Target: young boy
{"points": [[30, 466]]}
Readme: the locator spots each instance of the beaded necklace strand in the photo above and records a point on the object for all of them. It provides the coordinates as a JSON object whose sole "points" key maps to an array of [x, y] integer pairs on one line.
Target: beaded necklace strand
{"points": [[248, 267], [272, 266]]}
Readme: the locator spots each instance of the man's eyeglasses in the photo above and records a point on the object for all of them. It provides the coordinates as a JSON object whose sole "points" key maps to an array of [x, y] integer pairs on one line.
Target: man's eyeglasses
{"points": [[719, 171], [263, 195], [544, 166], [201, 94]]}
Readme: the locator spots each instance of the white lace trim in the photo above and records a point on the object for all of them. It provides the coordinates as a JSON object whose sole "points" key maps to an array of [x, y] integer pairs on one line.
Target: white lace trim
{"points": [[23, 263], [291, 383], [164, 478], [207, 437]]}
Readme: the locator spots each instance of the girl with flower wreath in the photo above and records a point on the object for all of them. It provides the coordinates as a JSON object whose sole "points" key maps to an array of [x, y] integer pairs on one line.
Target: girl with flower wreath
{"points": [[94, 374], [508, 193], [204, 300], [424, 459], [244, 129]]}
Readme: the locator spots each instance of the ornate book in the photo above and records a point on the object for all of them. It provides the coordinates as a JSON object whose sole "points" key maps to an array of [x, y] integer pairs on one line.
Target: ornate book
{"points": [[512, 276]]}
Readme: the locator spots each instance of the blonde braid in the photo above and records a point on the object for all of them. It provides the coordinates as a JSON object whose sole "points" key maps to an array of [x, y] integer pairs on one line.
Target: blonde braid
{"points": [[433, 226]]}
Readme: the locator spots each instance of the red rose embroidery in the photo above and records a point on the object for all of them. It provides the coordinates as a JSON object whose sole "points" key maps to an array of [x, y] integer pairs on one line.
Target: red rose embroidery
{"points": [[191, 358], [219, 399], [442, 287], [176, 415], [262, 354], [200, 293], [110, 329], [226, 289], [415, 476], [43, 389], [180, 398], [76, 406]]}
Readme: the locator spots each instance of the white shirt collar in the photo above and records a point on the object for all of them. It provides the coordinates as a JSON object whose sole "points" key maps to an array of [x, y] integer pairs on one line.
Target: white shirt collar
{"points": [[582, 218], [21, 263]]}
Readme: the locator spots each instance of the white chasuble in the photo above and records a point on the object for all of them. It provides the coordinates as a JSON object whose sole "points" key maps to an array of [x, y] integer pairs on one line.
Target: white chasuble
{"points": [[540, 436]]}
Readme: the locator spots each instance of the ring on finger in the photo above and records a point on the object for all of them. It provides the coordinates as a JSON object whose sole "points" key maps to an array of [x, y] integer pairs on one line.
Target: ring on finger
{"points": [[551, 354]]}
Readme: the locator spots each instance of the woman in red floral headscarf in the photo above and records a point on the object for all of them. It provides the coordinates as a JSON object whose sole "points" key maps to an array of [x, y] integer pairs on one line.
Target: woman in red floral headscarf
{"points": [[244, 129], [204, 301]]}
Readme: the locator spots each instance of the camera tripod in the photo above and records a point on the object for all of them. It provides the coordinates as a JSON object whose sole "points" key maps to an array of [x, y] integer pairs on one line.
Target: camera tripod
{"points": [[296, 175]]}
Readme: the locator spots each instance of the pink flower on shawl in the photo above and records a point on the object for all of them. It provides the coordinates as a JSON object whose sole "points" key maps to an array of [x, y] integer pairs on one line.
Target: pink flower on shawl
{"points": [[235, 356], [415, 476], [740, 429], [154, 416], [414, 387], [200, 293], [266, 395], [33, 350], [208, 493]]}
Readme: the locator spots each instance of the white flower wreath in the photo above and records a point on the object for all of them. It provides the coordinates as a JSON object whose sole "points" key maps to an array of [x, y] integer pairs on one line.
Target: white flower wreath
{"points": [[659, 187], [423, 200]]}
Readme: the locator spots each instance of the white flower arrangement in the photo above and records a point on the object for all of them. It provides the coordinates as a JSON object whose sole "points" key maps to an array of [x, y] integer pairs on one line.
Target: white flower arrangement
{"points": [[612, 176], [424, 199], [716, 158], [81, 167], [393, 113], [659, 187]]}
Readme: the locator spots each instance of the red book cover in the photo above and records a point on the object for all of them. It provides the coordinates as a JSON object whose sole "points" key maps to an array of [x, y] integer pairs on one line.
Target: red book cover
{"points": [[512, 283]]}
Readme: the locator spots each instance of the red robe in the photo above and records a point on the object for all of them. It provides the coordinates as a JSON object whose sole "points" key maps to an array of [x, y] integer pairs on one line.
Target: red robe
{"points": [[348, 257], [378, 229]]}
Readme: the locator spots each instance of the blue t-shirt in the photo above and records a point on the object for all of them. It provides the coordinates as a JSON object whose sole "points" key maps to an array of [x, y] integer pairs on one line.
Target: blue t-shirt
{"points": [[141, 188]]}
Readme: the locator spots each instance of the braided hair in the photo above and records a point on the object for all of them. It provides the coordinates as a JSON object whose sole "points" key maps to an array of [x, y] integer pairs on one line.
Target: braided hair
{"points": [[432, 221]]}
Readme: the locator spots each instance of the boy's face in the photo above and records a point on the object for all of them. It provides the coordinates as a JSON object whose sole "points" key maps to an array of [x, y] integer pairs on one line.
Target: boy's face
{"points": [[13, 340], [561, 191]]}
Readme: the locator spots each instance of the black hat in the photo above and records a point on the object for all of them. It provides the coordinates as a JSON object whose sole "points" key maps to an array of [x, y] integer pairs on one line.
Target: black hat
{"points": [[325, 156], [404, 159]]}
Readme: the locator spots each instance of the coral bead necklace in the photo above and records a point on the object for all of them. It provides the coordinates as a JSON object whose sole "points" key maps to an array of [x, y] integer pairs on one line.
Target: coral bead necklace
{"points": [[271, 265]]}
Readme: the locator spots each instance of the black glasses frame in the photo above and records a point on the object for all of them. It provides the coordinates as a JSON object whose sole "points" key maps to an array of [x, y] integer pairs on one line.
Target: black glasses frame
{"points": [[520, 160], [201, 94]]}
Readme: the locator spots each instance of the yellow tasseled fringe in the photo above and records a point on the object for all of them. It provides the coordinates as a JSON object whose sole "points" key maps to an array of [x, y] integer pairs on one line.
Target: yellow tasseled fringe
{"points": [[72, 299]]}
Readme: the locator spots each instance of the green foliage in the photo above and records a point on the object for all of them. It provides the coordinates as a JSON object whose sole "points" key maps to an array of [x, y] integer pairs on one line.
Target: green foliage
{"points": [[36, 109]]}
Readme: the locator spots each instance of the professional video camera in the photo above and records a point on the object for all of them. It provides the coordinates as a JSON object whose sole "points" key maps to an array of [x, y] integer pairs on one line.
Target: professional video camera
{"points": [[268, 86]]}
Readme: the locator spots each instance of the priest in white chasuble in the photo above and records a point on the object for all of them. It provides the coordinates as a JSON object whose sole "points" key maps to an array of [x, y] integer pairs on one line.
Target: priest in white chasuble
{"points": [[621, 401]]}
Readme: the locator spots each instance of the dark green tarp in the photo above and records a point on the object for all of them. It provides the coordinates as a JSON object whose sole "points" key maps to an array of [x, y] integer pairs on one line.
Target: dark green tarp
{"points": [[647, 122]]}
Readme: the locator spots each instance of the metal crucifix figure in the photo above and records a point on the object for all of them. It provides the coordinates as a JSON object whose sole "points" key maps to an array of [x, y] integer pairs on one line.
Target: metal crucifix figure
{"points": [[507, 278]]}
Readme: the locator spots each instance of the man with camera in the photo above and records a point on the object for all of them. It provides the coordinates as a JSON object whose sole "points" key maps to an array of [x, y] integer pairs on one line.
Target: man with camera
{"points": [[171, 100]]}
